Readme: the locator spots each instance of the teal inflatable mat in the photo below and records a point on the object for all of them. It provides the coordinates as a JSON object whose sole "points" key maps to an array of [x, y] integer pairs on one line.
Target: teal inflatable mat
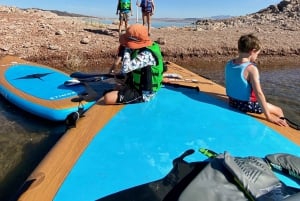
{"points": [[140, 142]]}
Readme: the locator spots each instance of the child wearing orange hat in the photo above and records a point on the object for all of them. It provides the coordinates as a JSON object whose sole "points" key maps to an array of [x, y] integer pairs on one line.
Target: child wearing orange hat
{"points": [[142, 62]]}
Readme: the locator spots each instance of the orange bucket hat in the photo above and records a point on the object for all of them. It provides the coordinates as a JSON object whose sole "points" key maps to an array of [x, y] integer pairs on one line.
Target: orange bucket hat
{"points": [[136, 37]]}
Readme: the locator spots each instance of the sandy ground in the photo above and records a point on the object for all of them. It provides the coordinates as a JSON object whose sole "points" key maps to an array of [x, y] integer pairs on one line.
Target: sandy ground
{"points": [[71, 43]]}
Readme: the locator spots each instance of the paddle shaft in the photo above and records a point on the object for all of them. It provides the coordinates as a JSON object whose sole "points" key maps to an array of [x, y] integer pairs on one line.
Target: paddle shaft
{"points": [[102, 76]]}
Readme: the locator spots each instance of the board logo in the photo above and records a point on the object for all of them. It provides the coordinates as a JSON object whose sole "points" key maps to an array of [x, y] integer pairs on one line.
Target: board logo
{"points": [[34, 76]]}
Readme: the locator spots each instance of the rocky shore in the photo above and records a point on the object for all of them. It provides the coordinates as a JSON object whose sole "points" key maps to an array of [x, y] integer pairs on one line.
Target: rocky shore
{"points": [[75, 43]]}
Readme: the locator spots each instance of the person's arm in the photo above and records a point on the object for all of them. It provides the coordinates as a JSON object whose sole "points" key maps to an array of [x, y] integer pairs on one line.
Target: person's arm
{"points": [[115, 65], [253, 77], [118, 59], [144, 58], [118, 8]]}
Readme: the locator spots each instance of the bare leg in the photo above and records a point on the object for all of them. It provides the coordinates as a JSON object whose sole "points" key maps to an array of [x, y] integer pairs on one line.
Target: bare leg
{"points": [[144, 18], [149, 22], [120, 25], [110, 98]]}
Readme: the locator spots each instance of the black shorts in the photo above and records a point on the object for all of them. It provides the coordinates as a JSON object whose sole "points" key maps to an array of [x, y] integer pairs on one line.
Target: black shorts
{"points": [[129, 95], [245, 106]]}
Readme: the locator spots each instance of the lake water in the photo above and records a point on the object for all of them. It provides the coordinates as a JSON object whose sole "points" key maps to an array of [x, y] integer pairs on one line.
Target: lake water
{"points": [[25, 139], [156, 23]]}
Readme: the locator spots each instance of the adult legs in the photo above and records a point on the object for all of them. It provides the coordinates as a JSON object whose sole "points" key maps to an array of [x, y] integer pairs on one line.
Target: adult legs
{"points": [[149, 22], [147, 19], [144, 18], [121, 19], [120, 26]]}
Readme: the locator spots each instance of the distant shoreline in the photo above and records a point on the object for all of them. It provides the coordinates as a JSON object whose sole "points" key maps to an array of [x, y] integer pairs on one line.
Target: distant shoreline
{"points": [[76, 42], [156, 22]]}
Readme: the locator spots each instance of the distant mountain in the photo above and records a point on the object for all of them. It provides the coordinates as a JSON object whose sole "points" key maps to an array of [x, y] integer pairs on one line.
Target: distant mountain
{"points": [[60, 13], [63, 13], [219, 17], [284, 7], [284, 15], [68, 14]]}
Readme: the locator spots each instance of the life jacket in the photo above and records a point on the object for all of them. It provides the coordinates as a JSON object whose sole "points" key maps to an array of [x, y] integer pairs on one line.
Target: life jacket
{"points": [[149, 78], [125, 5], [237, 86], [146, 6]]}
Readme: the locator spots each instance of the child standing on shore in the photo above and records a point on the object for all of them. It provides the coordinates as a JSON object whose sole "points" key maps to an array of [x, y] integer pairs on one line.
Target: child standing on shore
{"points": [[243, 85], [123, 10], [147, 12]]}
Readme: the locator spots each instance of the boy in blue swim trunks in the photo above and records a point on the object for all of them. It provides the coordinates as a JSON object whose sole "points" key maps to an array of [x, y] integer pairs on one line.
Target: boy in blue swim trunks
{"points": [[243, 85]]}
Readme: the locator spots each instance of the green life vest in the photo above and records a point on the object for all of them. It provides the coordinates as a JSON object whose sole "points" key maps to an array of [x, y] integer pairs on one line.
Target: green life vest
{"points": [[125, 5], [149, 78]]}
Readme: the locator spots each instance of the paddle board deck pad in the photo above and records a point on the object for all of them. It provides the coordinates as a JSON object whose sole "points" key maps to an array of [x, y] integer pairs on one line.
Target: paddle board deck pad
{"points": [[119, 147], [40, 90]]}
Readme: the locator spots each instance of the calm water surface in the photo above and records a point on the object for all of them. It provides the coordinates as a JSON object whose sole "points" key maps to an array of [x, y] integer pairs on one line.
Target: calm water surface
{"points": [[155, 22], [25, 139]]}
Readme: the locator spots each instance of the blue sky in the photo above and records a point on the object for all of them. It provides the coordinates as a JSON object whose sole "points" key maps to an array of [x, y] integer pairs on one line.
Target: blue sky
{"points": [[164, 8]]}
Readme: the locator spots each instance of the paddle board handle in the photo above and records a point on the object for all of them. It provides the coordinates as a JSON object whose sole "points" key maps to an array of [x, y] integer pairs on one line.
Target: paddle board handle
{"points": [[208, 153], [72, 82]]}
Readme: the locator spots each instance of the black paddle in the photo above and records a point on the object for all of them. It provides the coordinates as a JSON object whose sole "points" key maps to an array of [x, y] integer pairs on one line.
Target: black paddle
{"points": [[100, 76], [81, 78], [83, 81]]}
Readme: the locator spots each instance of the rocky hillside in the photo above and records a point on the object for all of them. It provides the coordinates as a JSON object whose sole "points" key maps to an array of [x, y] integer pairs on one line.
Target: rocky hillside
{"points": [[285, 15], [61, 41], [78, 42]]}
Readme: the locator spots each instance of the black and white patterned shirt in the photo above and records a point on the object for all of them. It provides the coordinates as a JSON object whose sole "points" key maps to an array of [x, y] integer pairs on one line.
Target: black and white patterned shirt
{"points": [[143, 59]]}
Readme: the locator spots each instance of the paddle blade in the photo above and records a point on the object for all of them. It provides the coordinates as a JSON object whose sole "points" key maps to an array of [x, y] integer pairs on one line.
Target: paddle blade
{"points": [[72, 82]]}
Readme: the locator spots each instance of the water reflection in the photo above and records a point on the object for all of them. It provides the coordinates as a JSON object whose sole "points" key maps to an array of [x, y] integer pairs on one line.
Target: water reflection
{"points": [[24, 140]]}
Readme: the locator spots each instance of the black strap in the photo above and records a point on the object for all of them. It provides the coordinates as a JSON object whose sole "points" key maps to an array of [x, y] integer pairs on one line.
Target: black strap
{"points": [[89, 95], [291, 123], [165, 189], [181, 86]]}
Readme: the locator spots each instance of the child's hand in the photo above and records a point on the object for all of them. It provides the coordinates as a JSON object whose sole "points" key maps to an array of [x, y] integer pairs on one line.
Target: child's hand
{"points": [[279, 121]]}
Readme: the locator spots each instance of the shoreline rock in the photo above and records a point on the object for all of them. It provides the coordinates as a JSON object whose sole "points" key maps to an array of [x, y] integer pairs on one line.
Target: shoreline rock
{"points": [[74, 43]]}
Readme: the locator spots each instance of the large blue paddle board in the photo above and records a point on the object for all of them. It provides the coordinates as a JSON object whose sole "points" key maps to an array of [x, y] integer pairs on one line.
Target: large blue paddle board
{"points": [[139, 143], [115, 148], [39, 89]]}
